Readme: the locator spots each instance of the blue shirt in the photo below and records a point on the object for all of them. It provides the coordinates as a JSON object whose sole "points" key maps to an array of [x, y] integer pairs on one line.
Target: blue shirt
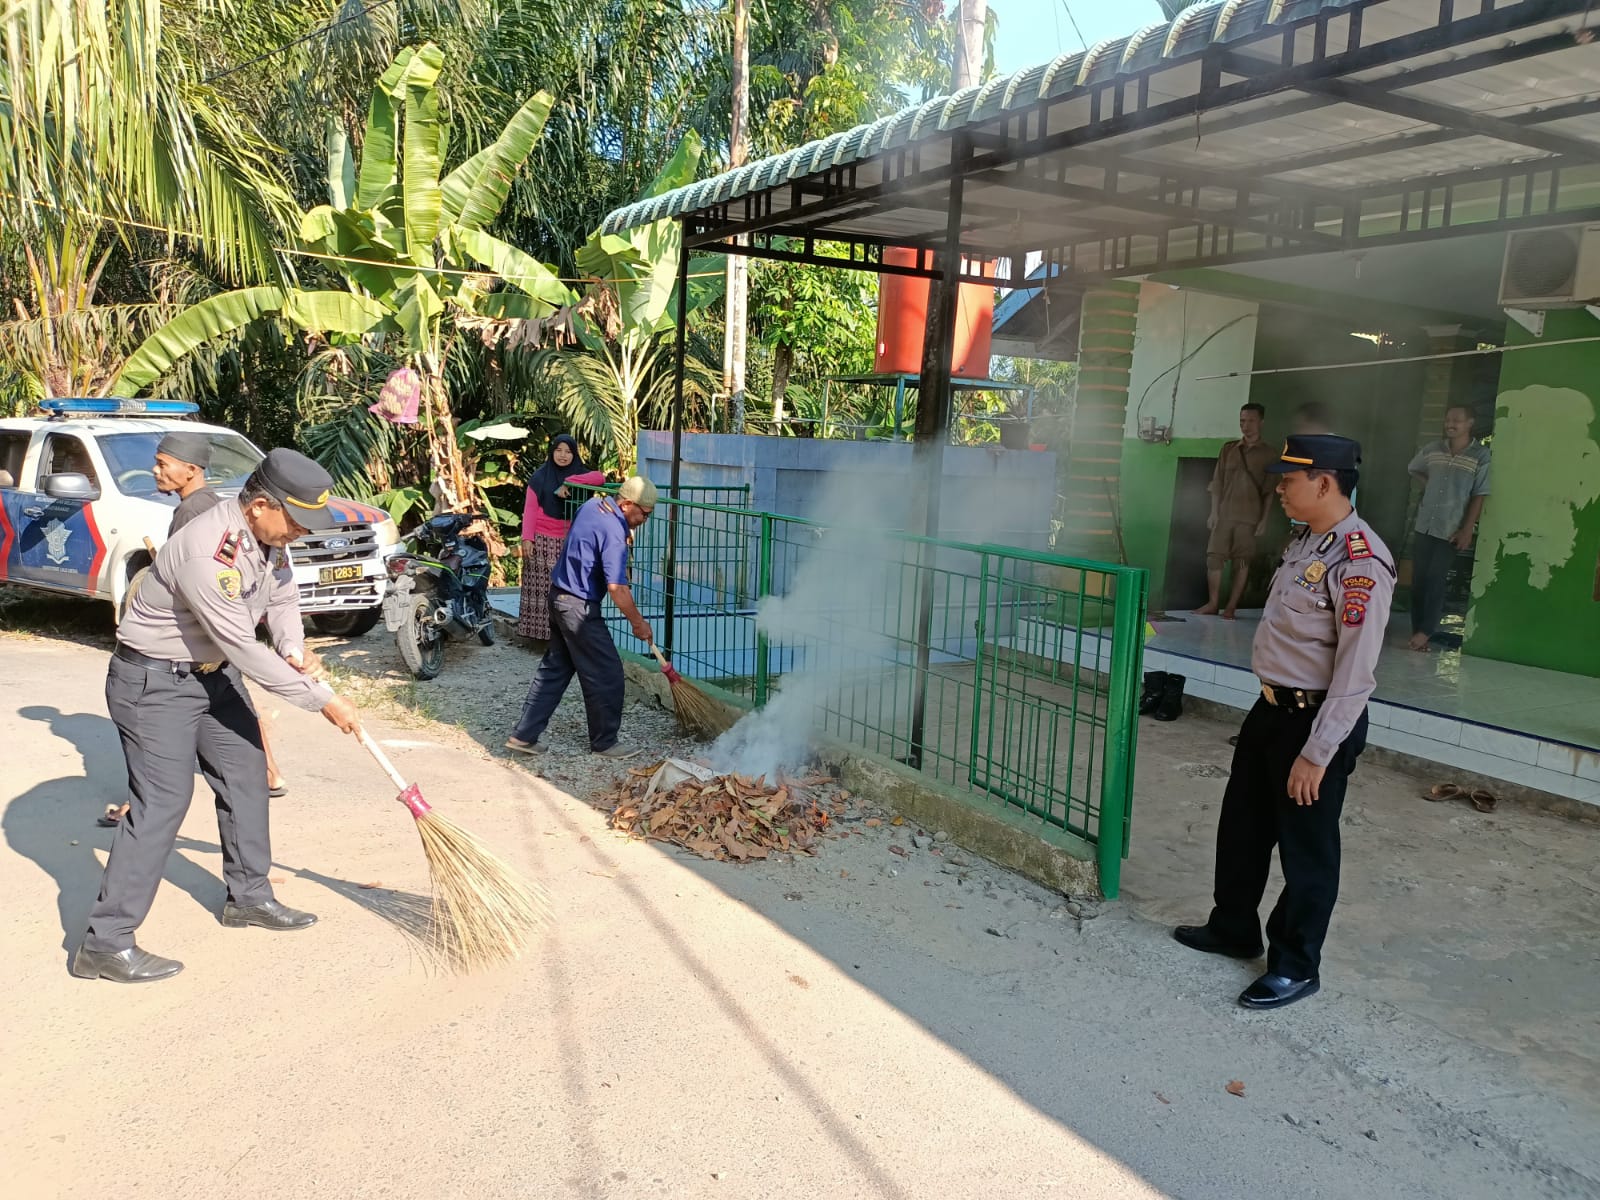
{"points": [[595, 554]]}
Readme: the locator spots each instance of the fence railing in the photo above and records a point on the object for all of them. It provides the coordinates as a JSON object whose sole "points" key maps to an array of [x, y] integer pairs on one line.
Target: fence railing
{"points": [[1000, 671]]}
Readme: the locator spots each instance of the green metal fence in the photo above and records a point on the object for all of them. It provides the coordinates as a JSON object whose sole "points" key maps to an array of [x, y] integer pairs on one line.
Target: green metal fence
{"points": [[996, 670]]}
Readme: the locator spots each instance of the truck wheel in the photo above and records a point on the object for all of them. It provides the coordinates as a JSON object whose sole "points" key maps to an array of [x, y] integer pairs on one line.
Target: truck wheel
{"points": [[351, 623], [421, 642]]}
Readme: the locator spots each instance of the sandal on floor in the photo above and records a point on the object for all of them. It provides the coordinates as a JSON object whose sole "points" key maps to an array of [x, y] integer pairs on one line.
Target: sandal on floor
{"points": [[277, 792], [111, 818], [1444, 791], [1484, 801]]}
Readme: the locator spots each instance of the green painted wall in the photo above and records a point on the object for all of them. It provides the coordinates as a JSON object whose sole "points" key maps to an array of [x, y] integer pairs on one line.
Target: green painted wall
{"points": [[1533, 586]]}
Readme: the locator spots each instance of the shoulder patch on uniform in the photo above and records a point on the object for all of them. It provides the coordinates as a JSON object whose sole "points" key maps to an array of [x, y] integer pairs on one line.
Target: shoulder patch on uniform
{"points": [[1355, 612], [1356, 596], [1355, 542], [1359, 581], [228, 548], [230, 583], [1326, 544]]}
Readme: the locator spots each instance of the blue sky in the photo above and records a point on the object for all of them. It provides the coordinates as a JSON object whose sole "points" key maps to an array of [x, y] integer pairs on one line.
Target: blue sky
{"points": [[1035, 31]]}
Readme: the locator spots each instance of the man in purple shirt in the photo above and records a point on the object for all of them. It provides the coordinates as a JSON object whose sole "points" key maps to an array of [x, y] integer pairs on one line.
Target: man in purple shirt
{"points": [[593, 566], [1315, 653]]}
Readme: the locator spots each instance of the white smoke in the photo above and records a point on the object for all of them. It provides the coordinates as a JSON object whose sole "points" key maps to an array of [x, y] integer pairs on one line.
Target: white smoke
{"points": [[846, 617]]}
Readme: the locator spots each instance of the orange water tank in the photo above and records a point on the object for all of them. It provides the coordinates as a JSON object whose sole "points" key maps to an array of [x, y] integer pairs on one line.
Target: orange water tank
{"points": [[903, 320]]}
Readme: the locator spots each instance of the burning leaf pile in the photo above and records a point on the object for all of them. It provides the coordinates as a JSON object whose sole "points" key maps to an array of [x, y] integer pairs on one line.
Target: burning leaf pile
{"points": [[724, 817]]}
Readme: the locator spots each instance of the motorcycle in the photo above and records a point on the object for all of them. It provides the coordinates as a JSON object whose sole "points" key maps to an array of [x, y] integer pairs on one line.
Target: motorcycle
{"points": [[438, 591]]}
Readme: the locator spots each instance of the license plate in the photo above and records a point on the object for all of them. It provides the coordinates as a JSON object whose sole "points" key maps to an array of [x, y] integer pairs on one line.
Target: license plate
{"points": [[340, 574]]}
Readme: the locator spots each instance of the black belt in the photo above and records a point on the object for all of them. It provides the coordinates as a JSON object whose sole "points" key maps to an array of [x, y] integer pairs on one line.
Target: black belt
{"points": [[128, 655], [1287, 697]]}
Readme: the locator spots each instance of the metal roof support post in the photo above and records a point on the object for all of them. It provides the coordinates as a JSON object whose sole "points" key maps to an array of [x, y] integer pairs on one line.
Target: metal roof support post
{"points": [[933, 424], [670, 563]]}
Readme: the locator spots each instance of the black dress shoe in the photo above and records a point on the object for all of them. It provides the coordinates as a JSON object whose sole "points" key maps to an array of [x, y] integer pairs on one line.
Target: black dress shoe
{"points": [[132, 965], [1203, 939], [270, 915], [1274, 991]]}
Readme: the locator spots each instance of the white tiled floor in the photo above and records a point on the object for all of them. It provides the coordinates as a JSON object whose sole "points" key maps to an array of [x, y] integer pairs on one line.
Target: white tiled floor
{"points": [[1535, 728], [1542, 705]]}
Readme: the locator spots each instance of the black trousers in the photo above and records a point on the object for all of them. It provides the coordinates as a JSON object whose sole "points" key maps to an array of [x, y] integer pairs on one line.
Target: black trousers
{"points": [[580, 644], [1258, 814], [165, 721], [1431, 560]]}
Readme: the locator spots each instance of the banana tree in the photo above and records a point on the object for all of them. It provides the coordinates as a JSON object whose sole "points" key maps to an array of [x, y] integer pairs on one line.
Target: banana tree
{"points": [[628, 309], [411, 248]]}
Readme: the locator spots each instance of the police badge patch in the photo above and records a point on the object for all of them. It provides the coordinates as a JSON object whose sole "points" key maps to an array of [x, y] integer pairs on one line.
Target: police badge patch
{"points": [[1355, 612], [230, 583], [1316, 570]]}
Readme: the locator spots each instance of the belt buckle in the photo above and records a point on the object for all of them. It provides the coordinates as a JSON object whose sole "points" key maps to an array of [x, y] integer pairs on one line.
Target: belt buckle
{"points": [[1268, 695], [206, 668]]}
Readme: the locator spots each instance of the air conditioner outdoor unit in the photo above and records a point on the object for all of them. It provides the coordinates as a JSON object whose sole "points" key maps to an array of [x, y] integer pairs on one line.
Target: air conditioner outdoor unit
{"points": [[1551, 268]]}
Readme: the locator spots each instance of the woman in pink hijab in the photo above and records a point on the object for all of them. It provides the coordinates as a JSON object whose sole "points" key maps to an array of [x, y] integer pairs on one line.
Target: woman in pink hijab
{"points": [[545, 522]]}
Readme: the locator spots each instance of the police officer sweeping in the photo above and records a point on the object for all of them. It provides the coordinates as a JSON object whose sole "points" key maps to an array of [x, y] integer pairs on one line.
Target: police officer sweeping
{"points": [[174, 691], [593, 566], [1314, 654]]}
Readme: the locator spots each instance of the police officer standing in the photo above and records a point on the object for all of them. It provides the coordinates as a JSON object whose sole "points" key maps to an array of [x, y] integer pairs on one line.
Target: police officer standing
{"points": [[174, 691], [1314, 653], [593, 566]]}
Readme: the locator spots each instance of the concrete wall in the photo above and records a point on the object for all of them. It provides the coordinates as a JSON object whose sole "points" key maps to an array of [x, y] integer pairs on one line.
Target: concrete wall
{"points": [[990, 494], [1535, 578], [1203, 414]]}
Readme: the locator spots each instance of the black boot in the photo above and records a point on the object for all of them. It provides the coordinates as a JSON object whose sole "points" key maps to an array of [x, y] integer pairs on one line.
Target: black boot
{"points": [[1170, 706], [1154, 682]]}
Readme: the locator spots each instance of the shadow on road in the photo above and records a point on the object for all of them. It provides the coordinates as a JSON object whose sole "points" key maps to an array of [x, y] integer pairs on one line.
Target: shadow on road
{"points": [[43, 823]]}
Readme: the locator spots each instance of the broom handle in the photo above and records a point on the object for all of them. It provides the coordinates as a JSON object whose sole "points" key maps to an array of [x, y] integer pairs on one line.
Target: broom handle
{"points": [[660, 657], [383, 759]]}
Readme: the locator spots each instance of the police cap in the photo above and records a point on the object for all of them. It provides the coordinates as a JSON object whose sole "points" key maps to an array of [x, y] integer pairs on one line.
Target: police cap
{"points": [[300, 485], [192, 448], [1318, 452]]}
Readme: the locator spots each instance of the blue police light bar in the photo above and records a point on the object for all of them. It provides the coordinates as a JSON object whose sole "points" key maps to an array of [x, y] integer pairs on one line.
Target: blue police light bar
{"points": [[112, 407]]}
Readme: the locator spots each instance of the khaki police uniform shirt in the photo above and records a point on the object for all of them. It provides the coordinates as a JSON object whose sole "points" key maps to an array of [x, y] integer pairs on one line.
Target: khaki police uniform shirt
{"points": [[1323, 627], [210, 586]]}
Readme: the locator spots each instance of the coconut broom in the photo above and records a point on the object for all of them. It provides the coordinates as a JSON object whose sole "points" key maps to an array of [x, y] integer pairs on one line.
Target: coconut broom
{"points": [[698, 713], [483, 912]]}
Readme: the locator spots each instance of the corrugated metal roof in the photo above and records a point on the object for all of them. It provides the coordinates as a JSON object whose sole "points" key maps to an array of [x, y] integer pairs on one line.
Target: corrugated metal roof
{"points": [[1195, 29]]}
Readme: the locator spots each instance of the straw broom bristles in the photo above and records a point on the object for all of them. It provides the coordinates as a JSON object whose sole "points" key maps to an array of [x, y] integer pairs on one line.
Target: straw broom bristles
{"points": [[484, 913], [698, 713]]}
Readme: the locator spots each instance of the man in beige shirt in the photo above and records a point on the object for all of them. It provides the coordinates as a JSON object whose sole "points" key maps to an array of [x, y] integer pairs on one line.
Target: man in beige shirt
{"points": [[1241, 496]]}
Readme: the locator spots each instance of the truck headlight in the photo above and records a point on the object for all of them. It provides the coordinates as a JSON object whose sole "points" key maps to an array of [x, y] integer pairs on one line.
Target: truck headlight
{"points": [[388, 532]]}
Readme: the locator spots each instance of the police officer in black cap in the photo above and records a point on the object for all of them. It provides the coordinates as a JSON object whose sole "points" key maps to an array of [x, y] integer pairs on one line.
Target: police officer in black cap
{"points": [[174, 690], [1314, 653]]}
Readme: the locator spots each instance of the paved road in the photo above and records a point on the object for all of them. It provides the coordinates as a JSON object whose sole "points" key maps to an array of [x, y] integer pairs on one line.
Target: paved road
{"points": [[688, 1030]]}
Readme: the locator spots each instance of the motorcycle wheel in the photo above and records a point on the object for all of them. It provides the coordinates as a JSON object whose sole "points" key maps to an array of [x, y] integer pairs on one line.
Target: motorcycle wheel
{"points": [[346, 624], [421, 642], [486, 635]]}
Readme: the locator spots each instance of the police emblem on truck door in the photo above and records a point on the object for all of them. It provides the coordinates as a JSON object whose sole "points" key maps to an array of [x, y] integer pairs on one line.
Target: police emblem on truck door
{"points": [[55, 542]]}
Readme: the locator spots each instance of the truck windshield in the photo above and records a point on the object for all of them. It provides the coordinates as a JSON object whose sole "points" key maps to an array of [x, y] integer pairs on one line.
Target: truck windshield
{"points": [[132, 457]]}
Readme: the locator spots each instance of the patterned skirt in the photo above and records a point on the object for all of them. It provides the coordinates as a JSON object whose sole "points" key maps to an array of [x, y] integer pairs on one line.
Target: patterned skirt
{"points": [[533, 621]]}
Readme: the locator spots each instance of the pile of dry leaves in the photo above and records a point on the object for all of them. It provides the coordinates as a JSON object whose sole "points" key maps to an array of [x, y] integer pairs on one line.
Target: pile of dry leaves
{"points": [[724, 816]]}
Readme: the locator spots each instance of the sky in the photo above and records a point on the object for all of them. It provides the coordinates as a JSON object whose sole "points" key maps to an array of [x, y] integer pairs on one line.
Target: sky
{"points": [[1035, 31]]}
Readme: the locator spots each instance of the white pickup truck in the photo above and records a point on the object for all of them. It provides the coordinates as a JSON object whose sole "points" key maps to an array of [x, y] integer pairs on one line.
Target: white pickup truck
{"points": [[78, 499]]}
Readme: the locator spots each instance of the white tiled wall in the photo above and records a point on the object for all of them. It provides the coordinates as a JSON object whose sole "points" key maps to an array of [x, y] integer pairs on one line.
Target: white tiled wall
{"points": [[1516, 758]]}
